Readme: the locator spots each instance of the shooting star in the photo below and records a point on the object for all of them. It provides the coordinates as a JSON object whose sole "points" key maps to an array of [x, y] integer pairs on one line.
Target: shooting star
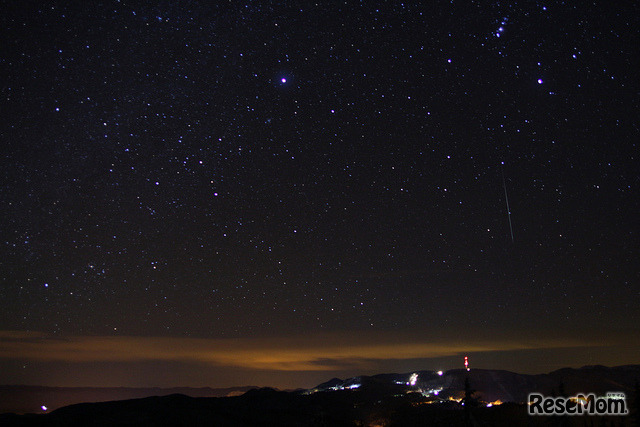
{"points": [[506, 198]]}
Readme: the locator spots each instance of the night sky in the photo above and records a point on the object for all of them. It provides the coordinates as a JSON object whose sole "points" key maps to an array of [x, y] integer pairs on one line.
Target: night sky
{"points": [[208, 193]]}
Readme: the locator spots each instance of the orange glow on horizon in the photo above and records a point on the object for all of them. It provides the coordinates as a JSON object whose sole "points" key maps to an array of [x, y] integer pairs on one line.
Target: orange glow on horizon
{"points": [[309, 353]]}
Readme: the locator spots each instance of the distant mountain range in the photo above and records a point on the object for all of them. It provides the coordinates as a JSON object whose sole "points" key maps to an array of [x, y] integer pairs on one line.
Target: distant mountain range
{"points": [[493, 385], [385, 399]]}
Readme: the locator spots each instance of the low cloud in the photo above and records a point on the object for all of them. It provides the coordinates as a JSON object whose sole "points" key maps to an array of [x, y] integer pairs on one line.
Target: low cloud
{"points": [[319, 352]]}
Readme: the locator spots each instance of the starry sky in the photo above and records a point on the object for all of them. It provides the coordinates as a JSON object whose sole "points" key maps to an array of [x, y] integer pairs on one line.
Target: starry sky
{"points": [[286, 191]]}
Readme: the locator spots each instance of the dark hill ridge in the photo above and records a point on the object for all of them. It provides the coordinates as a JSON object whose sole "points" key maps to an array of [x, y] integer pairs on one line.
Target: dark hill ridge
{"points": [[384, 399], [24, 399], [261, 407]]}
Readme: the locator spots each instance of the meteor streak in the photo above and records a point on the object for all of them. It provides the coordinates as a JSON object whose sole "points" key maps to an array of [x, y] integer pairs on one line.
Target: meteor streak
{"points": [[506, 197]]}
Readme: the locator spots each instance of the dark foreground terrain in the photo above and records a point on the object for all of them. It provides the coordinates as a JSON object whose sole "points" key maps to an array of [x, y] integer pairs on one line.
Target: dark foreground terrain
{"points": [[381, 400], [267, 407], [28, 399]]}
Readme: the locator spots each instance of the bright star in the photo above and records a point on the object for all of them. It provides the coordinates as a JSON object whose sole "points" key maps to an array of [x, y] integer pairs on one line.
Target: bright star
{"points": [[283, 80], [539, 81]]}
